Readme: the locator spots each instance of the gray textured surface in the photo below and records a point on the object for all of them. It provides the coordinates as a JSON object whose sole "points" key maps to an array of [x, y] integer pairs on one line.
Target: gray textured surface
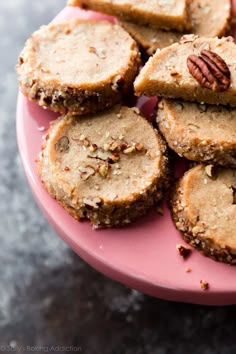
{"points": [[48, 296]]}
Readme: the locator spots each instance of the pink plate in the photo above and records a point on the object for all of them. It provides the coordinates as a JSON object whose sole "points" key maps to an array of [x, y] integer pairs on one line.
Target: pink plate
{"points": [[142, 256]]}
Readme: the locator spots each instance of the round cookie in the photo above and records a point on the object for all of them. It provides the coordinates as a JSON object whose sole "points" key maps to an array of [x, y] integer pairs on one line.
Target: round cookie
{"points": [[199, 132], [109, 167], [78, 66], [204, 210]]}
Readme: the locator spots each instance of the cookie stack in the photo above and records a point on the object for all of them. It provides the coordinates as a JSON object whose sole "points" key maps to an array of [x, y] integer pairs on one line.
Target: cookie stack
{"points": [[158, 24], [105, 162], [197, 116], [100, 160], [200, 11]]}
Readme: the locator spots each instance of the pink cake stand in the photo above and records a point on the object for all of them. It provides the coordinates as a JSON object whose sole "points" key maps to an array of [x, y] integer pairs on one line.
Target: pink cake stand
{"points": [[142, 256]]}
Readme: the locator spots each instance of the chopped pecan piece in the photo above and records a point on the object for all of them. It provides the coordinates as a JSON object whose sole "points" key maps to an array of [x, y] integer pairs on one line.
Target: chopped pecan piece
{"points": [[92, 203], [99, 154], [114, 158], [103, 169], [86, 172], [234, 193], [183, 251], [63, 144], [114, 146], [140, 147], [188, 269], [210, 70], [129, 149], [93, 147], [21, 60], [204, 284], [211, 171], [234, 186]]}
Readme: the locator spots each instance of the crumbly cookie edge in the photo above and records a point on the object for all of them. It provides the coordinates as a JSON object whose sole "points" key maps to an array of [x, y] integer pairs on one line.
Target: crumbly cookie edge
{"points": [[196, 239]]}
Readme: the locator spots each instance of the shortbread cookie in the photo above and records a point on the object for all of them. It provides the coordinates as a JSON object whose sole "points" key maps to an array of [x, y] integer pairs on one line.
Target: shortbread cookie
{"points": [[165, 14], [78, 66], [195, 69], [150, 39], [204, 210], [199, 132], [110, 167], [210, 18]]}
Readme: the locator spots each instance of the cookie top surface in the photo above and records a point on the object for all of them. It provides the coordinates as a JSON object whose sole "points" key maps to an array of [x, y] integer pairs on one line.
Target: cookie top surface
{"points": [[209, 19], [78, 53], [199, 121], [210, 205], [115, 155], [167, 73], [164, 7]]}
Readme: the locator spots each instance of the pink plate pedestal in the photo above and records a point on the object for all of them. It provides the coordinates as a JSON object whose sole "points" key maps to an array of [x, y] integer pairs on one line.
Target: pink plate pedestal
{"points": [[142, 256]]}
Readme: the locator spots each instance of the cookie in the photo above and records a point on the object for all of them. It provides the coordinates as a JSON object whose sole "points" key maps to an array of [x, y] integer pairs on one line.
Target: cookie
{"points": [[151, 39], [78, 66], [109, 167], [209, 19], [195, 69], [165, 14], [199, 132], [204, 210]]}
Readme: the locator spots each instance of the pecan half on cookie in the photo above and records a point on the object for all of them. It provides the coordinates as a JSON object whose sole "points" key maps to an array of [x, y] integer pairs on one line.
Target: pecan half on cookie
{"points": [[165, 74], [210, 70]]}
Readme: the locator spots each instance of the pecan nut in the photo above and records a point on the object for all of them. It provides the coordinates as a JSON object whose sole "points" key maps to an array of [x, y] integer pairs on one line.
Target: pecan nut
{"points": [[204, 284], [210, 70], [63, 144], [86, 172], [183, 251]]}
